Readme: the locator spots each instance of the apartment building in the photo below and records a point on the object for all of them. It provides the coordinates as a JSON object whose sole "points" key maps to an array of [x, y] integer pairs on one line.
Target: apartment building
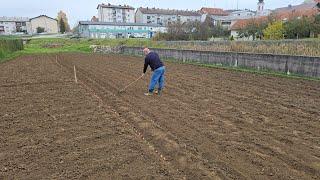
{"points": [[116, 13], [165, 16], [23, 25], [14, 25]]}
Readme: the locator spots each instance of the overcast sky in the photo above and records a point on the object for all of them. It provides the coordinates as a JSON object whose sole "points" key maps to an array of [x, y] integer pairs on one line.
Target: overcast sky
{"points": [[84, 9]]}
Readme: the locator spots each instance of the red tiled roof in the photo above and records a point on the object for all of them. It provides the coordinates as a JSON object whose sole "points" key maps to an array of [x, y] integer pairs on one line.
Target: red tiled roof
{"points": [[305, 9], [213, 11], [286, 13], [295, 13], [244, 22]]}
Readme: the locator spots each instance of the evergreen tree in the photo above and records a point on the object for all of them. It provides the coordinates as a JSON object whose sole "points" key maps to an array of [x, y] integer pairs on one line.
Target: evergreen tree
{"points": [[62, 26]]}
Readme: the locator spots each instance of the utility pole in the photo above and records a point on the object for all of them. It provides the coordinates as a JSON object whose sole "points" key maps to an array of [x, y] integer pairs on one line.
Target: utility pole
{"points": [[237, 4]]}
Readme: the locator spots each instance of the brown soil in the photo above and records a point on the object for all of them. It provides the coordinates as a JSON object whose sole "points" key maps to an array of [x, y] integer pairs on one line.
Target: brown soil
{"points": [[208, 124]]}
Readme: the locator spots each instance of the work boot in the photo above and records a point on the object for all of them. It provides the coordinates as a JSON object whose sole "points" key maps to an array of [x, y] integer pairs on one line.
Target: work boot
{"points": [[148, 94], [158, 92]]}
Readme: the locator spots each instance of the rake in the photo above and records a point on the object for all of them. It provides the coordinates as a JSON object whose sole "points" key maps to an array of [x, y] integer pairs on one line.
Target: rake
{"points": [[122, 90]]}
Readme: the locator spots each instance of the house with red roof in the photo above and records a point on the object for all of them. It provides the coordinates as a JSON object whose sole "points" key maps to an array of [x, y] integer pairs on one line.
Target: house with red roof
{"points": [[308, 9], [226, 18]]}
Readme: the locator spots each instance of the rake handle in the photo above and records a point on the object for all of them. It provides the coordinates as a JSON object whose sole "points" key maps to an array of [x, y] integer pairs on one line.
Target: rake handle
{"points": [[131, 83]]}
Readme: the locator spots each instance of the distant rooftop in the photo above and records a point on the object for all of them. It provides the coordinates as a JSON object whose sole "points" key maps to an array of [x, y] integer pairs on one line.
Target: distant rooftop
{"points": [[14, 19], [214, 11], [305, 9], [44, 16], [238, 10], [244, 22], [148, 10], [284, 13], [118, 24], [115, 6], [302, 6]]}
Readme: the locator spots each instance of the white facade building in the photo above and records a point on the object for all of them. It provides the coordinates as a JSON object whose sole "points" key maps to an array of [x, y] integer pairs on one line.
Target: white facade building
{"points": [[233, 16], [14, 25], [49, 24], [116, 14], [22, 25], [241, 14], [88, 29], [227, 18], [165, 16]]}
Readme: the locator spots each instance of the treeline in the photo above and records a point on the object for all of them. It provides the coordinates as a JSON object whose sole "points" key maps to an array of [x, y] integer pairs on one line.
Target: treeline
{"points": [[297, 28], [8, 45], [193, 30]]}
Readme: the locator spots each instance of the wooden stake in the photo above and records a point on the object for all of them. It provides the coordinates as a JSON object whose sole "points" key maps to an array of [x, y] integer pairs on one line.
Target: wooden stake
{"points": [[57, 59], [75, 74]]}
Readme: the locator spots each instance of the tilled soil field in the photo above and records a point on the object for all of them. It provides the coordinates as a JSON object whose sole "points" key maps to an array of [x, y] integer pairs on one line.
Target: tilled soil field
{"points": [[208, 124]]}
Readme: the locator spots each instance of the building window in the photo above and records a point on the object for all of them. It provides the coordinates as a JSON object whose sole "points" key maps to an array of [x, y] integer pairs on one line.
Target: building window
{"points": [[148, 17], [226, 23]]}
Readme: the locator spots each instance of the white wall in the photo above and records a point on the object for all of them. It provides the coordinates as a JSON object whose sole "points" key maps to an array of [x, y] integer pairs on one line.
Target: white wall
{"points": [[124, 31], [106, 14], [165, 19], [9, 27], [139, 17], [50, 25], [242, 14]]}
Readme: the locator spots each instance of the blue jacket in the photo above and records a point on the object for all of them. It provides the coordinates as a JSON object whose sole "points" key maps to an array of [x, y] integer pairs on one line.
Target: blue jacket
{"points": [[152, 60]]}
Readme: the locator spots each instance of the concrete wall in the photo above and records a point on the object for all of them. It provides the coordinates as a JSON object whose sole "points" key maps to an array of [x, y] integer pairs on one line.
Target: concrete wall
{"points": [[302, 65]]}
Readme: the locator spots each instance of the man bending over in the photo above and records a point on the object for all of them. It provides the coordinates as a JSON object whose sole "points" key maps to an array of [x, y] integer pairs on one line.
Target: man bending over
{"points": [[152, 59]]}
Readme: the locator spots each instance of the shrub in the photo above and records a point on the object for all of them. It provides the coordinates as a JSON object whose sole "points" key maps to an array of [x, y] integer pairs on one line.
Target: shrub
{"points": [[8, 46], [274, 31], [40, 29]]}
